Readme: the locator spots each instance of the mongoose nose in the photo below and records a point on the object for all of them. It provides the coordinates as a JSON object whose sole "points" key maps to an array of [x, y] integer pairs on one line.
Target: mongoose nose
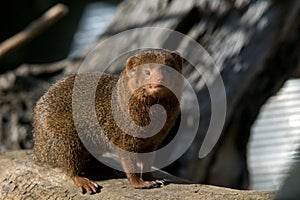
{"points": [[160, 79]]}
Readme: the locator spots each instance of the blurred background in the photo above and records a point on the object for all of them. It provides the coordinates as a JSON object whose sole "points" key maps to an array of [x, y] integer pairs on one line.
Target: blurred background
{"points": [[261, 138], [63, 39]]}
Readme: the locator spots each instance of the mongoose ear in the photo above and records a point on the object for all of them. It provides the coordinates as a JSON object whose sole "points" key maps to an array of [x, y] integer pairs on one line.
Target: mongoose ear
{"points": [[130, 63], [177, 58]]}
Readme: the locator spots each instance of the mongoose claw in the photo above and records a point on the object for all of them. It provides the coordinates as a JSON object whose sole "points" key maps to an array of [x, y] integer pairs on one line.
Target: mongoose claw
{"points": [[86, 186], [162, 182], [90, 188], [155, 184]]}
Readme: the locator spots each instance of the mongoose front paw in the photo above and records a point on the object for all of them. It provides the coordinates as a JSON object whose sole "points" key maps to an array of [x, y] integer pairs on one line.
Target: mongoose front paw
{"points": [[86, 185], [152, 185], [149, 184], [159, 181], [162, 182]]}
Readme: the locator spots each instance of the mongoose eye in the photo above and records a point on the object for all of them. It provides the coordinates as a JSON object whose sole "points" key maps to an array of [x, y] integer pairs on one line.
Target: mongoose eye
{"points": [[147, 72]]}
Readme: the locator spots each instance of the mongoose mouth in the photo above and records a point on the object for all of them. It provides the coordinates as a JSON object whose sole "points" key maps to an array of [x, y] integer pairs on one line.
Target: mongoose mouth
{"points": [[158, 90], [153, 86], [156, 87]]}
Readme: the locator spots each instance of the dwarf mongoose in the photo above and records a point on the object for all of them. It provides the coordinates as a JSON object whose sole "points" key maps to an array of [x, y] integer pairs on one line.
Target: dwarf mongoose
{"points": [[56, 140]]}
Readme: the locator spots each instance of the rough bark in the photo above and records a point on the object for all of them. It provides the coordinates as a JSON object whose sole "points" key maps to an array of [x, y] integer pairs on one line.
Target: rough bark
{"points": [[21, 178], [267, 57]]}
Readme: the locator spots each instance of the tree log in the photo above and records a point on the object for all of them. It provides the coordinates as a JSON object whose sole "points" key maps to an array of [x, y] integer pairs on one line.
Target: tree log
{"points": [[21, 178]]}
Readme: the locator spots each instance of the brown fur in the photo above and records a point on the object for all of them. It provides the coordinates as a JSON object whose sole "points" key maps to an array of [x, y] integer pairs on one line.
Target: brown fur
{"points": [[56, 141]]}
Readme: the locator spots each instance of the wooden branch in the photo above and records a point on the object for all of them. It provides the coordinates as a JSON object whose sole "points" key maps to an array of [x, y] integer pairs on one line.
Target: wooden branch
{"points": [[34, 29]]}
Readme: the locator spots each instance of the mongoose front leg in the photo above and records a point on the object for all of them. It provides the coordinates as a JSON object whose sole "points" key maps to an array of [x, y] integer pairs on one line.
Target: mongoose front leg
{"points": [[146, 162], [135, 179], [86, 185]]}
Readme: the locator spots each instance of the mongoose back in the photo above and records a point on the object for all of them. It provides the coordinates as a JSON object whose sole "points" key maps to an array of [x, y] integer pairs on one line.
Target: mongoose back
{"points": [[56, 140]]}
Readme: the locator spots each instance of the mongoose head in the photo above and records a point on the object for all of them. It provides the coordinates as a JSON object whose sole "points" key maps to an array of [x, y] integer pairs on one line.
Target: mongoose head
{"points": [[149, 72]]}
